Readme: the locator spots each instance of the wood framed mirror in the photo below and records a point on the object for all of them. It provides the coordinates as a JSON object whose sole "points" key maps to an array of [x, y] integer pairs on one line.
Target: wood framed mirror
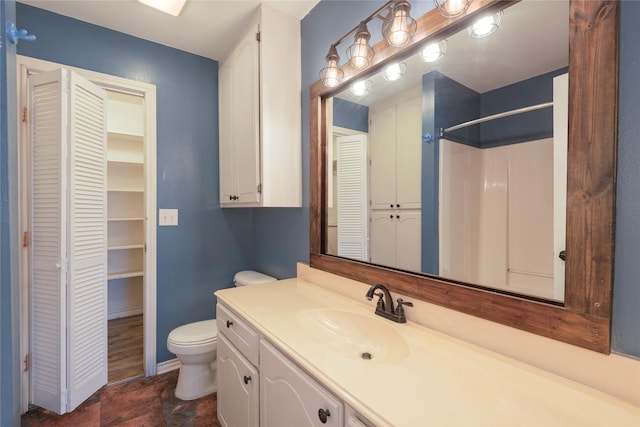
{"points": [[584, 317]]}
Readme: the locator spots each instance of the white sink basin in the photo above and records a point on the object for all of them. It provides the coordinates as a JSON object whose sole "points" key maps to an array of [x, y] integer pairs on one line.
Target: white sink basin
{"points": [[357, 335]]}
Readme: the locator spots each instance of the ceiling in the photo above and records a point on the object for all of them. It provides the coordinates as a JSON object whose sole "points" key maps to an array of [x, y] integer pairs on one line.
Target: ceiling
{"points": [[207, 28]]}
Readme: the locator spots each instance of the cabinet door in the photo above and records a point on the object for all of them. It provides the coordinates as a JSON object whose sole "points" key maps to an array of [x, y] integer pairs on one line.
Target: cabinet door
{"points": [[246, 121], [382, 237], [408, 240], [382, 146], [409, 155], [226, 158], [289, 397], [238, 387]]}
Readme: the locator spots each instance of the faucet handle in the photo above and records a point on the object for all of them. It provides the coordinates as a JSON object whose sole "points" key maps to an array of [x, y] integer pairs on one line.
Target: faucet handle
{"points": [[400, 310], [380, 304]]}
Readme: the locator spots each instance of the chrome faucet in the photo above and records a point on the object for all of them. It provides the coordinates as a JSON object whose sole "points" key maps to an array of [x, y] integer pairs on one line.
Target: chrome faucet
{"points": [[384, 307]]}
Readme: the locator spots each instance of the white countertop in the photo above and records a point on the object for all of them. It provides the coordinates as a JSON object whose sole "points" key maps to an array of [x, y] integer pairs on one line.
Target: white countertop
{"points": [[438, 380]]}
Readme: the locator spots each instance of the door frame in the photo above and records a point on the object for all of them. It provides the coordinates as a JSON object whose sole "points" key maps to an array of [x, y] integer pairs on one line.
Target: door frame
{"points": [[25, 67]]}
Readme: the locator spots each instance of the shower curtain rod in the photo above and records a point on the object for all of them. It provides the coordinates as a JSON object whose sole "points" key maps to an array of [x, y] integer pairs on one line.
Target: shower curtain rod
{"points": [[496, 116]]}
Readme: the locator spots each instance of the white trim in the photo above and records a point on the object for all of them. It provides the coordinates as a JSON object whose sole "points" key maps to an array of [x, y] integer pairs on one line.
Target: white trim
{"points": [[168, 366], [26, 65]]}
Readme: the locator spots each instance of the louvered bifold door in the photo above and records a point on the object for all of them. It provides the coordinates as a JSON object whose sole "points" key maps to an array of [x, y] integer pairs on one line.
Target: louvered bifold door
{"points": [[68, 264], [352, 197], [49, 240], [87, 287]]}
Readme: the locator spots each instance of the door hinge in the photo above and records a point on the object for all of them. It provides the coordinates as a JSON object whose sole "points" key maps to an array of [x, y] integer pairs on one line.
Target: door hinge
{"points": [[145, 247], [27, 362], [259, 188], [25, 115], [258, 36], [26, 239]]}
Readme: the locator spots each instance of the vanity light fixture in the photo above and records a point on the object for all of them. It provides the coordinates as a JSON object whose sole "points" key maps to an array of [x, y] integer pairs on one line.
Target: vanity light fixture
{"points": [[398, 27], [485, 26], [331, 75], [434, 51], [452, 8], [360, 53], [361, 87], [172, 7], [394, 71]]}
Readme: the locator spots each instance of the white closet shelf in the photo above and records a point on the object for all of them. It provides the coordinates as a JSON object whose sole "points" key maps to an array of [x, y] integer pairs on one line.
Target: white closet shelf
{"points": [[128, 136], [125, 190], [124, 275], [133, 218], [119, 247], [124, 161]]}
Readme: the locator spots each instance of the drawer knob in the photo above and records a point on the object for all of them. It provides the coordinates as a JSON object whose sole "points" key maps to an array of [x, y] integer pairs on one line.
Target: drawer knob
{"points": [[229, 323], [247, 379], [323, 414]]}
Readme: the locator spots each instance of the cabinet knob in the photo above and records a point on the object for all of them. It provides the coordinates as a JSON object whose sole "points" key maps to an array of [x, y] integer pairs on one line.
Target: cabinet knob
{"points": [[323, 414], [563, 255], [230, 197], [229, 323], [247, 379], [398, 216], [391, 205], [391, 216]]}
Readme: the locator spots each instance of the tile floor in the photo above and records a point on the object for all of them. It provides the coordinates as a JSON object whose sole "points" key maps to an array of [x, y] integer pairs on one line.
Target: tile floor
{"points": [[145, 402]]}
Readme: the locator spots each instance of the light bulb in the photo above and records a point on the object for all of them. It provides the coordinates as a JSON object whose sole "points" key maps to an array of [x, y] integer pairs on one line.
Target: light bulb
{"points": [[394, 71], [361, 88], [485, 26], [399, 31], [331, 78], [360, 58], [455, 7], [434, 51]]}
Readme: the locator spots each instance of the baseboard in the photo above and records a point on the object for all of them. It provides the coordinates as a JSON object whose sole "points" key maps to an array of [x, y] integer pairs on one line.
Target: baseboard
{"points": [[167, 366], [126, 313]]}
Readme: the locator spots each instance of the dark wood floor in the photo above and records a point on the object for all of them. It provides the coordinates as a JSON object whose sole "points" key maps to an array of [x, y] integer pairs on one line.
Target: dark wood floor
{"points": [[126, 358], [145, 402]]}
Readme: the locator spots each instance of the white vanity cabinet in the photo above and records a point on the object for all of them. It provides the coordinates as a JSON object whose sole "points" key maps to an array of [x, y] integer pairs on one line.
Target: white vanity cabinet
{"points": [[238, 377], [289, 397], [260, 115]]}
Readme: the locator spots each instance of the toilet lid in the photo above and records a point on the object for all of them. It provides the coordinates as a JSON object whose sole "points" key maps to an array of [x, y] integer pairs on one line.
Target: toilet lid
{"points": [[194, 333]]}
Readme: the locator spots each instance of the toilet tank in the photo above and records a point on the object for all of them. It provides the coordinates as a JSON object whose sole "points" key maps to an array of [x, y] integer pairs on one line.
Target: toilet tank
{"points": [[250, 277]]}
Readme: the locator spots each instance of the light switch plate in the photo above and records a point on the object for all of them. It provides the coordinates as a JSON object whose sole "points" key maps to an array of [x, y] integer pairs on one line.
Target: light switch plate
{"points": [[168, 217]]}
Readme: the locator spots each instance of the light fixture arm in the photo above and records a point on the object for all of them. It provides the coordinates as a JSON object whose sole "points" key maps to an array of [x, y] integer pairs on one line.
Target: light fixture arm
{"points": [[376, 14]]}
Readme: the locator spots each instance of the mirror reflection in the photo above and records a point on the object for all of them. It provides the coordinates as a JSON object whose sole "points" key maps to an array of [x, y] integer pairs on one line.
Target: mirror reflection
{"points": [[453, 163]]}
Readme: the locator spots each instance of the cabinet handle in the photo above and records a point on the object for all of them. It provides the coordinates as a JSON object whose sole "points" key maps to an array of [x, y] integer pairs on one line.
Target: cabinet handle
{"points": [[391, 216], [391, 205], [397, 206], [398, 216], [230, 197], [323, 414], [247, 379], [229, 323], [563, 255]]}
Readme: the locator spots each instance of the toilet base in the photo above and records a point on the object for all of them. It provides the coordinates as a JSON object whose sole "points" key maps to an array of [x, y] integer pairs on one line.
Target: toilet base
{"points": [[196, 381]]}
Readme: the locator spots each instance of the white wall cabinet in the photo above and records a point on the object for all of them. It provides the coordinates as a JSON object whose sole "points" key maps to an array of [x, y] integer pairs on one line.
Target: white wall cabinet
{"points": [[396, 238], [259, 104], [395, 144], [125, 203]]}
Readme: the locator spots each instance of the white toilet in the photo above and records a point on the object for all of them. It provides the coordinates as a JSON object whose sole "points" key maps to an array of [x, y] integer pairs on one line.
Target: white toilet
{"points": [[195, 346]]}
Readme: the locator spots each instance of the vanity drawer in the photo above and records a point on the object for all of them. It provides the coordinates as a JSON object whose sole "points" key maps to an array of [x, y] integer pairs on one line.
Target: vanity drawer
{"points": [[236, 330]]}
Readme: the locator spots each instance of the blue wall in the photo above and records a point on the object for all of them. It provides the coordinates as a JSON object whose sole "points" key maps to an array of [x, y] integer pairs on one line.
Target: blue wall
{"points": [[210, 244], [350, 115]]}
